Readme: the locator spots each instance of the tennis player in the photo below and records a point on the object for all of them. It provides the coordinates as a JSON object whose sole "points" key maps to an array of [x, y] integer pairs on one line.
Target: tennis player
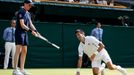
{"points": [[96, 51]]}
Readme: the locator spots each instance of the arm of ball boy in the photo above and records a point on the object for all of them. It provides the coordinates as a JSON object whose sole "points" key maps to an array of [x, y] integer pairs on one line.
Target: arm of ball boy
{"points": [[34, 30], [23, 26]]}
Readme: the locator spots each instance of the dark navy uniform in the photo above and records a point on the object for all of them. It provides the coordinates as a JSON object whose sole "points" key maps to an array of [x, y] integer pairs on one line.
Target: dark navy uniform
{"points": [[21, 36]]}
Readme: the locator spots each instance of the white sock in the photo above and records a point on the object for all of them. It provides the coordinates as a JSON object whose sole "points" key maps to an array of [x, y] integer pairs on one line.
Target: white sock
{"points": [[102, 67]]}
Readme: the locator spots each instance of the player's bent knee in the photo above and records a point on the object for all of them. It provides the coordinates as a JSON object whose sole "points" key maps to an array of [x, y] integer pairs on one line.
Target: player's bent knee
{"points": [[111, 67], [95, 71]]}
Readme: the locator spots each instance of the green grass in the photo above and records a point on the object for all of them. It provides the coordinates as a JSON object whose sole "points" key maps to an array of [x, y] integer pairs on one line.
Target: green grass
{"points": [[58, 71]]}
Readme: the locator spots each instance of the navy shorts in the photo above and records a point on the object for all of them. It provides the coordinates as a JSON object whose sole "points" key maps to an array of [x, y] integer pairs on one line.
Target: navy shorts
{"points": [[21, 38]]}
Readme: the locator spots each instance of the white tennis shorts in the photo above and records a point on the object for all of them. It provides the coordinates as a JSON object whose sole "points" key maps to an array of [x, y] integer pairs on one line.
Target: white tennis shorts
{"points": [[101, 56]]}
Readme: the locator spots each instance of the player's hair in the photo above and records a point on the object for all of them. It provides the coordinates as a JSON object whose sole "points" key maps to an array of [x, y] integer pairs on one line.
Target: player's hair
{"points": [[79, 30]]}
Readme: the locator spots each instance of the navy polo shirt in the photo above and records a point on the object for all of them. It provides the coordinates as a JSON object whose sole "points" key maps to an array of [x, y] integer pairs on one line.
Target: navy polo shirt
{"points": [[21, 36], [25, 15]]}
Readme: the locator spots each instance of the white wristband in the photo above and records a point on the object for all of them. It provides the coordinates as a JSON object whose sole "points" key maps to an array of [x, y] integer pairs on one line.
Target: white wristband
{"points": [[78, 70]]}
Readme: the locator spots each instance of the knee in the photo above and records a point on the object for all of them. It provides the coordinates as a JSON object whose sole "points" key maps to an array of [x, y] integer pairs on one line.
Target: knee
{"points": [[24, 51], [18, 51], [95, 73], [111, 67]]}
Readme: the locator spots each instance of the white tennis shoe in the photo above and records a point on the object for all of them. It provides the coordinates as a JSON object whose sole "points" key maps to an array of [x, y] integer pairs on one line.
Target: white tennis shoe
{"points": [[24, 72], [17, 72], [103, 67], [122, 70]]}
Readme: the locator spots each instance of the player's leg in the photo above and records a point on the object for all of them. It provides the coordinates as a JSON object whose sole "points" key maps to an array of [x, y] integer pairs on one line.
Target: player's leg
{"points": [[97, 68], [23, 57], [110, 65], [16, 58], [22, 61], [7, 54], [122, 70], [102, 68]]}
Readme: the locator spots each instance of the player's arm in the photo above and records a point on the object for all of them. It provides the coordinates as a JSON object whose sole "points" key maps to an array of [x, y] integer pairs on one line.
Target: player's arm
{"points": [[80, 51], [79, 62], [100, 46], [32, 26], [92, 57], [23, 26], [21, 19], [26, 27]]}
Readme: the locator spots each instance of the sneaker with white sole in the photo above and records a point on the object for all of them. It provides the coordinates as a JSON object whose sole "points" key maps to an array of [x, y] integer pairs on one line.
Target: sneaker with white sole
{"points": [[17, 72], [25, 72], [103, 67], [122, 70]]}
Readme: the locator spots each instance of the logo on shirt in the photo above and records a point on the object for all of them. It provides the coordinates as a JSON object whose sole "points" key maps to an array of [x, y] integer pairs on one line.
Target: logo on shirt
{"points": [[88, 43]]}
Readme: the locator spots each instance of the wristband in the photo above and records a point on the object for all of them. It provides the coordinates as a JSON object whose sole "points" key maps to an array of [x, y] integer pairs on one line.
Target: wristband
{"points": [[30, 30], [35, 30], [78, 70]]}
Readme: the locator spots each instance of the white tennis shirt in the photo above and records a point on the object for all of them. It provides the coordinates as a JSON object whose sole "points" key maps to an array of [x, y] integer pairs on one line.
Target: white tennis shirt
{"points": [[90, 47]]}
